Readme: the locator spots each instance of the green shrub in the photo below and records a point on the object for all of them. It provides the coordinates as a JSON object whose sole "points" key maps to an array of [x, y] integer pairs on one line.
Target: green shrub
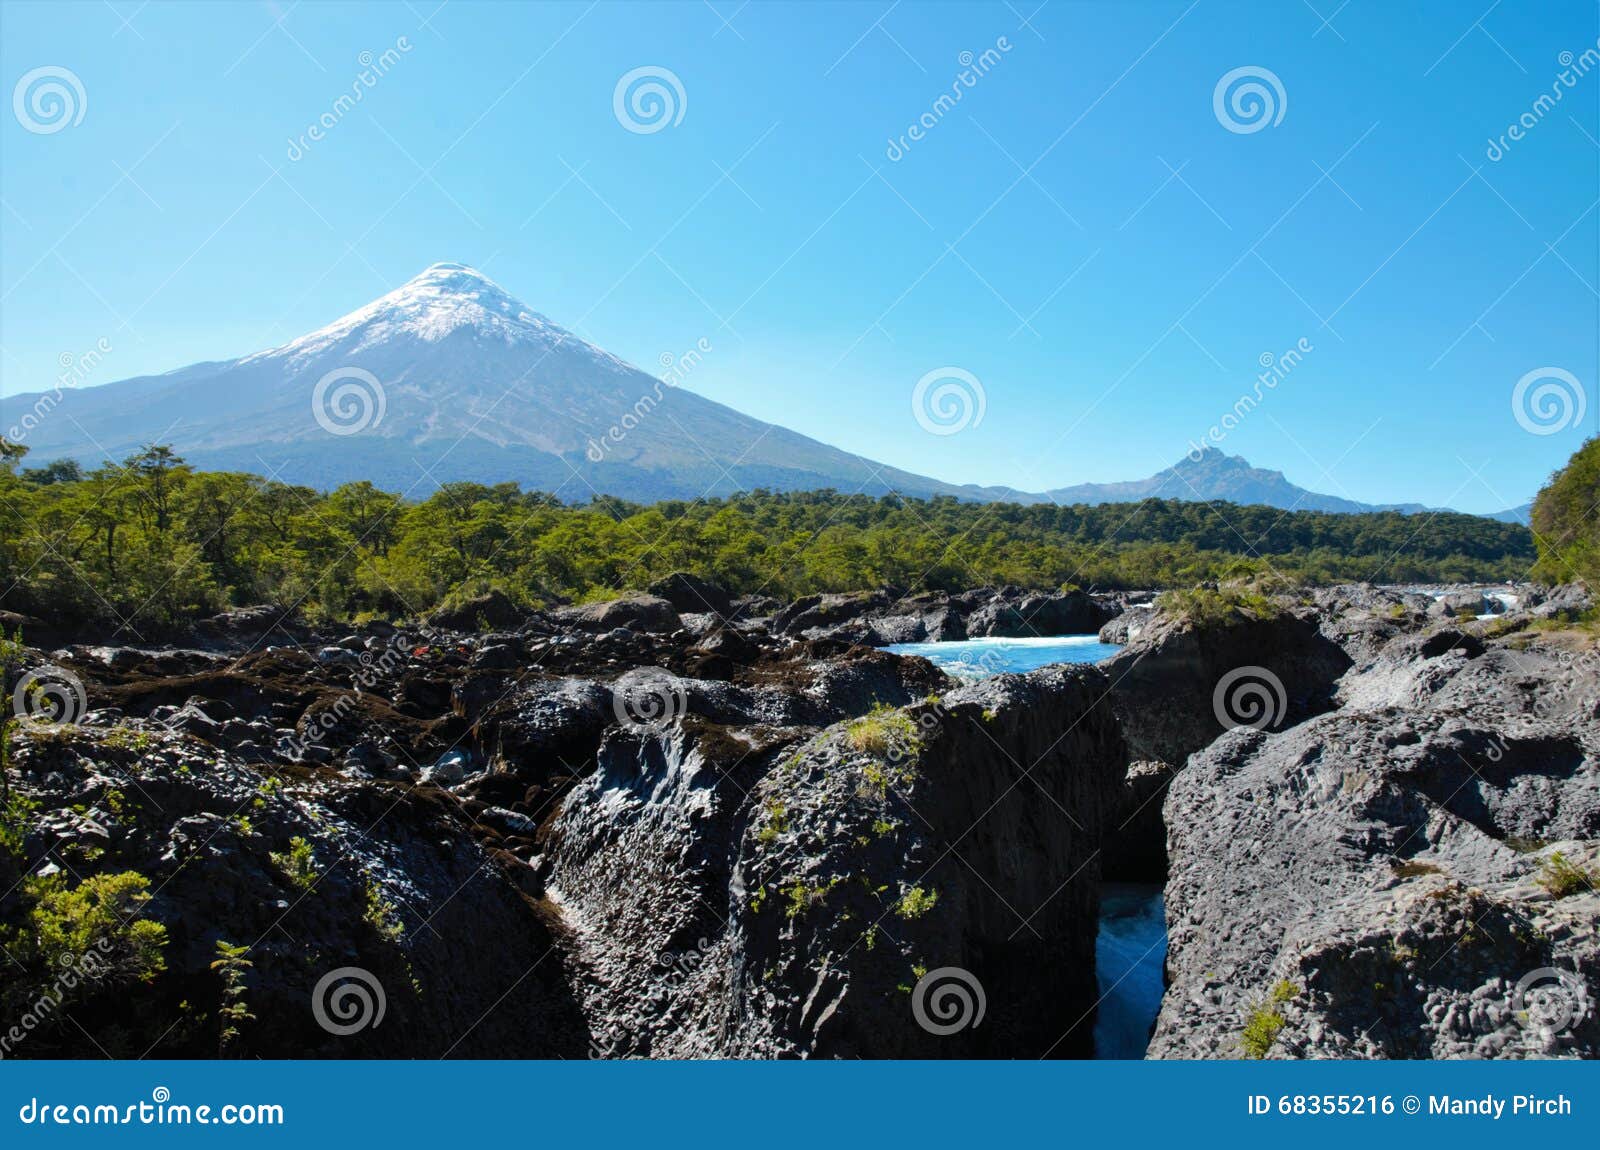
{"points": [[93, 927], [297, 863], [1561, 877], [1222, 607], [880, 729], [231, 965], [777, 823], [382, 915], [1266, 1021], [916, 902]]}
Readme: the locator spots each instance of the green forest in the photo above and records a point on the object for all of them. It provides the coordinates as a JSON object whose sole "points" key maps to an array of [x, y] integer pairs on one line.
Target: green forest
{"points": [[1566, 520], [152, 541]]}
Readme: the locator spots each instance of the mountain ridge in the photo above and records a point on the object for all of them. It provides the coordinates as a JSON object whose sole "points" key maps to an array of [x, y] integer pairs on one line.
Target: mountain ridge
{"points": [[450, 358]]}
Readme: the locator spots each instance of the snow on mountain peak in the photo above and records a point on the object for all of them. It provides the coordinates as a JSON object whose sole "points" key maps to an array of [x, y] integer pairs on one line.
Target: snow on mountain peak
{"points": [[444, 299]]}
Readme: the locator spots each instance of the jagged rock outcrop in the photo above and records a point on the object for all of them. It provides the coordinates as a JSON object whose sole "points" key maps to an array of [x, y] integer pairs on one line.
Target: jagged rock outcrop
{"points": [[1175, 683], [692, 595], [1026, 616], [494, 609], [1384, 881], [799, 918], [635, 612], [885, 617]]}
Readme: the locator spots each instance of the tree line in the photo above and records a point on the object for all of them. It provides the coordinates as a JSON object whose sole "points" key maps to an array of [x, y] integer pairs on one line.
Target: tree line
{"points": [[153, 541]]}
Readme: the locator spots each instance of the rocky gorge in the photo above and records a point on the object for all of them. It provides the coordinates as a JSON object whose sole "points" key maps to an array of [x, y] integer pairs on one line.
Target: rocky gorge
{"points": [[686, 824]]}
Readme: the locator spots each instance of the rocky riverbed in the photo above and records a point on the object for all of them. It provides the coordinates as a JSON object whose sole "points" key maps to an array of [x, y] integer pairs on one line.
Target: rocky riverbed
{"points": [[680, 824]]}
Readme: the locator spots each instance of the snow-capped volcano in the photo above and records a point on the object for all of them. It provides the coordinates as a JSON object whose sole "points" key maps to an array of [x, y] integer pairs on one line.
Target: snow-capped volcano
{"points": [[451, 377], [443, 300]]}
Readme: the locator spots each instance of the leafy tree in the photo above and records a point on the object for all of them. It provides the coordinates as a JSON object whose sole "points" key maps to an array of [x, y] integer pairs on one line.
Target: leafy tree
{"points": [[1566, 519]]}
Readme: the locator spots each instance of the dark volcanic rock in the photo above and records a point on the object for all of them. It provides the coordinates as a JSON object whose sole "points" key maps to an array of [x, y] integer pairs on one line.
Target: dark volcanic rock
{"points": [[1070, 613], [547, 728], [1172, 682], [393, 884], [635, 612], [781, 921], [1135, 839], [493, 610], [691, 594]]}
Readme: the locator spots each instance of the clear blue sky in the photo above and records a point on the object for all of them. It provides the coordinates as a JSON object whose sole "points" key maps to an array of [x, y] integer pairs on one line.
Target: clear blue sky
{"points": [[1111, 310]]}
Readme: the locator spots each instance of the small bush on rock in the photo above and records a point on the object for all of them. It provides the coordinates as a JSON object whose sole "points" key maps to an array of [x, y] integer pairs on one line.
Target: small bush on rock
{"points": [[1266, 1021], [1560, 876]]}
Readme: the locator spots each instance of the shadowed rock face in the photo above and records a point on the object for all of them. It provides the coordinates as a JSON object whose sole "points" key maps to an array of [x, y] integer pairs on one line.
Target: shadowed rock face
{"points": [[795, 890], [396, 883]]}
